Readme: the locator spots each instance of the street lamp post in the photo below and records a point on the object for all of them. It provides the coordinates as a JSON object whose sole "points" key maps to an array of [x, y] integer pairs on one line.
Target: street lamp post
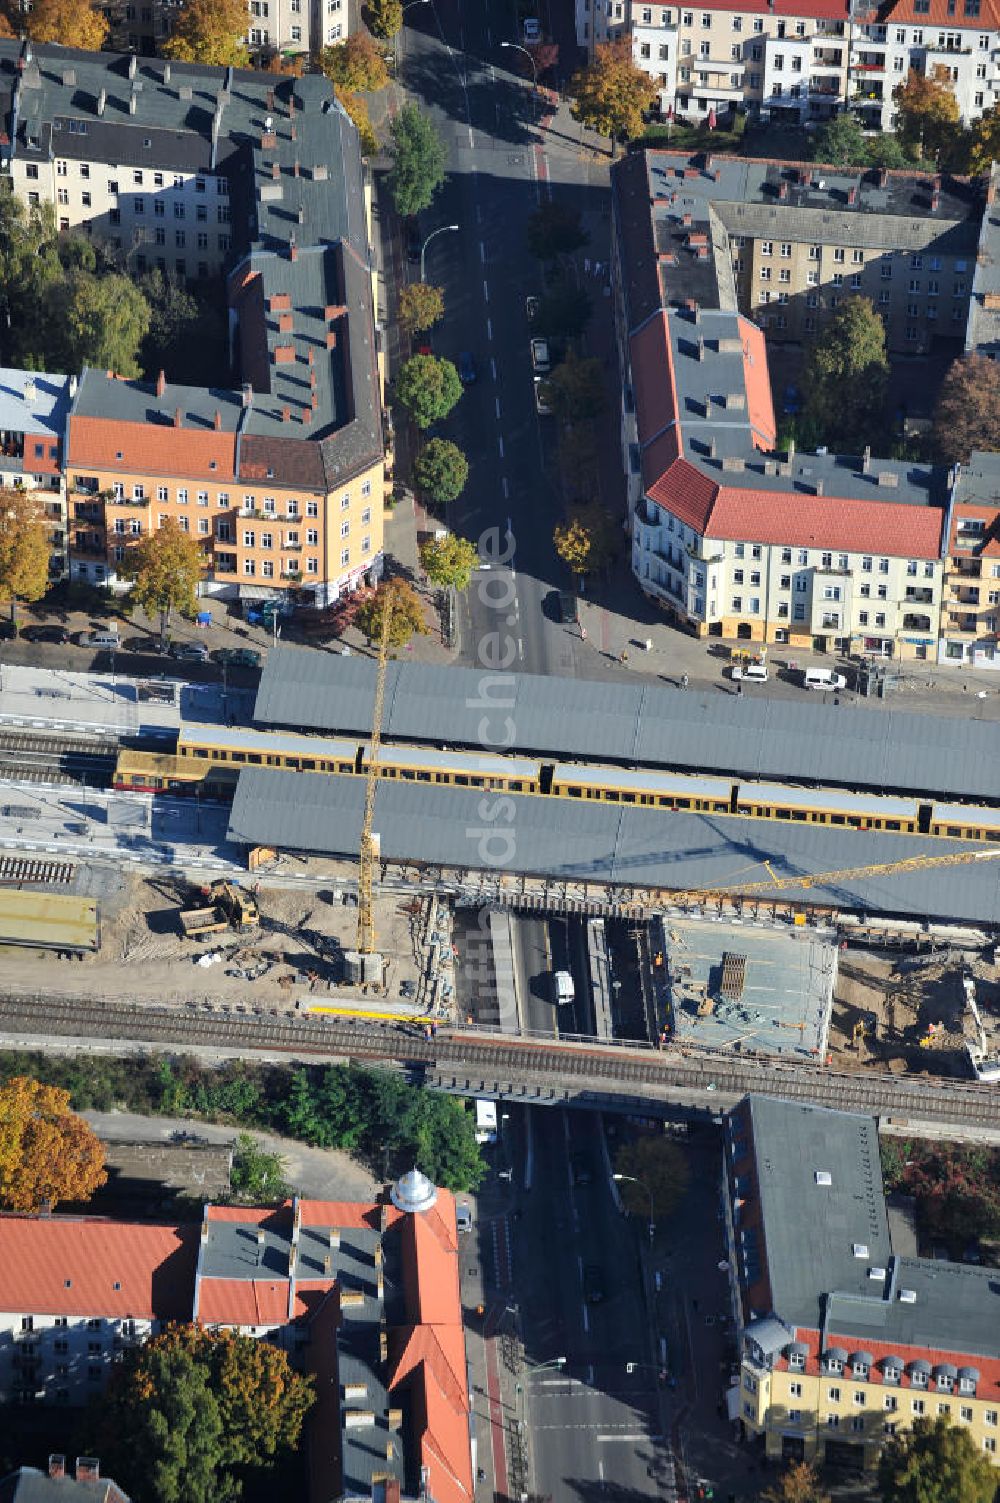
{"points": [[632, 1180], [443, 229], [516, 47]]}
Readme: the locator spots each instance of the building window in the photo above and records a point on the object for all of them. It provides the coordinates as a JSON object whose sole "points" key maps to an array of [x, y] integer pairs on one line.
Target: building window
{"points": [[345, 557]]}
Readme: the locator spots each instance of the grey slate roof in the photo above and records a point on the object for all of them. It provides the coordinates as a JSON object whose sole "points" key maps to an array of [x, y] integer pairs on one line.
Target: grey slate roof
{"points": [[983, 329], [43, 411], [567, 719], [27, 1485], [816, 1281], [102, 396], [603, 843]]}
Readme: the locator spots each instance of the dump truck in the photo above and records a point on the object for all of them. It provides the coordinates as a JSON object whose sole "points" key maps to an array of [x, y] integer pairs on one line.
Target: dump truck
{"points": [[227, 906]]}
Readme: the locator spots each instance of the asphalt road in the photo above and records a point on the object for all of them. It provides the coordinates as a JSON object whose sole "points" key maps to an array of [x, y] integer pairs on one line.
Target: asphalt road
{"points": [[500, 170], [594, 1426]]}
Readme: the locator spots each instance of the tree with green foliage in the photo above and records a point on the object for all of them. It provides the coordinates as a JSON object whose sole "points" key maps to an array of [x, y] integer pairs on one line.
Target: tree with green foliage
{"points": [[186, 329], [555, 230], [97, 321], [419, 160], [384, 17], [257, 1177], [441, 470], [165, 569], [421, 306], [585, 543], [845, 375], [356, 64], [967, 415], [449, 561], [798, 1483], [428, 388], [407, 619], [840, 142], [612, 93], [210, 31], [68, 23], [188, 1407], [29, 267], [579, 456], [984, 140], [956, 1188], [663, 1169], [563, 312], [24, 549], [928, 118], [575, 390], [935, 1462]]}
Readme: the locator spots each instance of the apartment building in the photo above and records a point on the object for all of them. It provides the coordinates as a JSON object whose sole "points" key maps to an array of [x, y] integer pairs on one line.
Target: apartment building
{"points": [[291, 27], [799, 61], [836, 553], [257, 179], [364, 1296], [33, 410], [844, 1341], [970, 603], [982, 331]]}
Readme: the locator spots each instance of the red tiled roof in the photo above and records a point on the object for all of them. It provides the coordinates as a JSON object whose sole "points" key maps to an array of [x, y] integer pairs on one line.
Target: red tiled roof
{"points": [[87, 1266], [760, 516], [152, 448], [688, 493], [430, 1264], [819, 10], [939, 15], [344, 1213], [988, 1367], [760, 406], [243, 1302], [444, 1448], [653, 377], [970, 511]]}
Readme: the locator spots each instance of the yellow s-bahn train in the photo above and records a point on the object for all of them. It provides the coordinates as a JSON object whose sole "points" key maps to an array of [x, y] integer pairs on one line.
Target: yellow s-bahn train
{"points": [[207, 762]]}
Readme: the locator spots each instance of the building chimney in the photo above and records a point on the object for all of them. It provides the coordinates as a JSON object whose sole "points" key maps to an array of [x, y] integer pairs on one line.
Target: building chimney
{"points": [[285, 414], [270, 101], [161, 383], [247, 393], [218, 421], [57, 1465], [295, 168], [73, 384], [293, 250], [301, 216], [166, 72], [260, 1243], [791, 450], [133, 102], [686, 218], [935, 201], [866, 459], [819, 487], [88, 1469], [852, 195], [30, 390], [783, 190], [294, 133], [307, 416], [701, 349], [133, 64], [177, 417], [275, 170], [102, 101]]}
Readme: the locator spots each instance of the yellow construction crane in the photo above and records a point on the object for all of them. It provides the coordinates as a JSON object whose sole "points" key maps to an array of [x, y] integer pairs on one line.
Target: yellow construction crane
{"points": [[774, 883], [366, 875]]}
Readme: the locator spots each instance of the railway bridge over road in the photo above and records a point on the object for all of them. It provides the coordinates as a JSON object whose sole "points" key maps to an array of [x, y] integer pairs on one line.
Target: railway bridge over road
{"points": [[546, 1072]]}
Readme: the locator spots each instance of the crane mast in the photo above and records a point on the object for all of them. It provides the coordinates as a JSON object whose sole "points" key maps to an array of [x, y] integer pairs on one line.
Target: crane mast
{"points": [[366, 876]]}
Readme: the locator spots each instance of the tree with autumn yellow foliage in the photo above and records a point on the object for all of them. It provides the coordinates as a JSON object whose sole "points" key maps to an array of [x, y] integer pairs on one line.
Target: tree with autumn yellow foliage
{"points": [[70, 23], [928, 116], [586, 541], [210, 31], [24, 549], [47, 1152], [190, 1406], [611, 93], [407, 614]]}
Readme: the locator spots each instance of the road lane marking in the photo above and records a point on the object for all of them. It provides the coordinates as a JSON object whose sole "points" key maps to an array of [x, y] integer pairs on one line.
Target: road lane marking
{"points": [[498, 408], [520, 650], [479, 213], [586, 1326], [600, 1471], [607, 1439], [482, 252], [486, 290], [506, 489], [493, 370], [489, 329], [500, 442]]}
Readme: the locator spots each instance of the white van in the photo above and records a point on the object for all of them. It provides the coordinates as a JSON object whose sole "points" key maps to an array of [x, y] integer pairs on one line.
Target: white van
{"points": [[106, 639], [486, 1120], [562, 983], [756, 672], [823, 678]]}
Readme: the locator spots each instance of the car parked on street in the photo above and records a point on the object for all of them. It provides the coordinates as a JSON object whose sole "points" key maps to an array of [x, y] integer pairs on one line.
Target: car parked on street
{"points": [[57, 634], [110, 641], [569, 608], [189, 652], [147, 646], [466, 367], [541, 406], [755, 673], [531, 308], [541, 362], [411, 236]]}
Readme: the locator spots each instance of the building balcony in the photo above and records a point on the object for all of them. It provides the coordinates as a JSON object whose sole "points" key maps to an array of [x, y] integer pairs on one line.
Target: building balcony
{"points": [[819, 88], [917, 595], [961, 626], [947, 47], [963, 568]]}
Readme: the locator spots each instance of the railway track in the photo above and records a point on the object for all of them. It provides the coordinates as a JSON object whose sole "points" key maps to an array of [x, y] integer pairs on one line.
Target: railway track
{"points": [[27, 758], [23, 869], [594, 1068]]}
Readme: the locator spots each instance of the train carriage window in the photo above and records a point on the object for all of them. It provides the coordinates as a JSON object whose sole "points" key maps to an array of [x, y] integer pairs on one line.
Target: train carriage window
{"points": [[954, 830], [612, 795], [799, 814], [682, 803], [423, 777], [200, 751], [254, 758], [720, 808], [462, 779], [990, 834], [783, 813], [239, 756], [349, 767], [515, 786], [628, 798], [408, 774], [891, 824], [837, 819], [308, 765], [273, 761], [854, 821], [574, 792], [292, 762]]}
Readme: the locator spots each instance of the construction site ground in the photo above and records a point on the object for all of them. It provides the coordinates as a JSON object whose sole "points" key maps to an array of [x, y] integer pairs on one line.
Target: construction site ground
{"points": [[293, 955], [912, 998]]}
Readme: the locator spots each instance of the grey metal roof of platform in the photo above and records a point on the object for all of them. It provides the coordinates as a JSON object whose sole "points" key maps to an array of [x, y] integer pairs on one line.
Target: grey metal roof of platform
{"points": [[602, 843], [636, 723]]}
